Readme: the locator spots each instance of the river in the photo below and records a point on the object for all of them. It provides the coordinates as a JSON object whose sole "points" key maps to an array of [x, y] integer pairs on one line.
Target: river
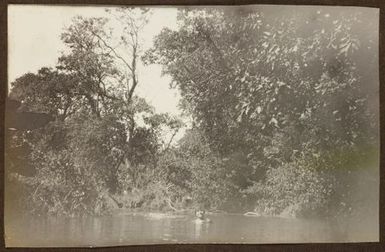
{"points": [[123, 228]]}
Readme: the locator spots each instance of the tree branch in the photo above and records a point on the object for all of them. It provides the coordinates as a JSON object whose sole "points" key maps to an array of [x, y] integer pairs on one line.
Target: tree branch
{"points": [[170, 141], [133, 72], [113, 50]]}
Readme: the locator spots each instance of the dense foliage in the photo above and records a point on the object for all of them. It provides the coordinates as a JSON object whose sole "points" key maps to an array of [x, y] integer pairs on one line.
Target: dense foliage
{"points": [[279, 106], [104, 137], [274, 94]]}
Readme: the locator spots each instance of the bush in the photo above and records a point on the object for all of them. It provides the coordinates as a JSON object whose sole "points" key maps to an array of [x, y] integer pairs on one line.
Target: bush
{"points": [[292, 189]]}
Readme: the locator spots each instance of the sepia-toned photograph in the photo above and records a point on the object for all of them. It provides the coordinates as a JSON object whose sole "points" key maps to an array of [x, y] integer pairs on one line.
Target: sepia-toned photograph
{"points": [[136, 125]]}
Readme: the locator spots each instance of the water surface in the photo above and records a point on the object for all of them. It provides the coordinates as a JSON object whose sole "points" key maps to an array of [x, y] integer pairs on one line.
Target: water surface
{"points": [[128, 228]]}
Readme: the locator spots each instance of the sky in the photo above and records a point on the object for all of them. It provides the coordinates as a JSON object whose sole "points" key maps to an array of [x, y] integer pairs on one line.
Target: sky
{"points": [[34, 42]]}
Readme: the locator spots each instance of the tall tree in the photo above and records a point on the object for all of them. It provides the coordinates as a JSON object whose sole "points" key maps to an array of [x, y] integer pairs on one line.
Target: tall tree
{"points": [[266, 90], [102, 128]]}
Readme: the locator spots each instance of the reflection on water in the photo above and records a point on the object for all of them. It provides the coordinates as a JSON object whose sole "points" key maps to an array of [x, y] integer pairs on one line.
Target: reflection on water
{"points": [[128, 228]]}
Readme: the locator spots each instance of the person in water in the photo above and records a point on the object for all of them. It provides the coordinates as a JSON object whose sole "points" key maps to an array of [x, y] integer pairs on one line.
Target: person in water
{"points": [[201, 216]]}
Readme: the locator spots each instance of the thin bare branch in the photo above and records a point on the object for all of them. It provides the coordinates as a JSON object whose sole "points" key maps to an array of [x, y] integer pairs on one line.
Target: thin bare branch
{"points": [[113, 50]]}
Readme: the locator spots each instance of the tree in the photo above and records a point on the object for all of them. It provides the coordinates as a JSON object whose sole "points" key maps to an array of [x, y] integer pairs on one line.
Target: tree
{"points": [[272, 89], [102, 130], [48, 91], [192, 169]]}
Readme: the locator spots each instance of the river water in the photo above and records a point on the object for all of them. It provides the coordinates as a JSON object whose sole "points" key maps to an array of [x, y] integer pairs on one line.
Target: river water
{"points": [[153, 228]]}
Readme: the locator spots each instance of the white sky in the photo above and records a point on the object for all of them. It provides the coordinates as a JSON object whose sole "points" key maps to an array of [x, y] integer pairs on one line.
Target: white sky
{"points": [[34, 42]]}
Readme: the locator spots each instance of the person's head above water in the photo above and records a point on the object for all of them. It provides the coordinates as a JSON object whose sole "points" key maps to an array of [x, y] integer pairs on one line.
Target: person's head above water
{"points": [[200, 214]]}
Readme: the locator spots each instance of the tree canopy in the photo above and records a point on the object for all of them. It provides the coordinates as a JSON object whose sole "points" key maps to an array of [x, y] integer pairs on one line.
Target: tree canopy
{"points": [[266, 91]]}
